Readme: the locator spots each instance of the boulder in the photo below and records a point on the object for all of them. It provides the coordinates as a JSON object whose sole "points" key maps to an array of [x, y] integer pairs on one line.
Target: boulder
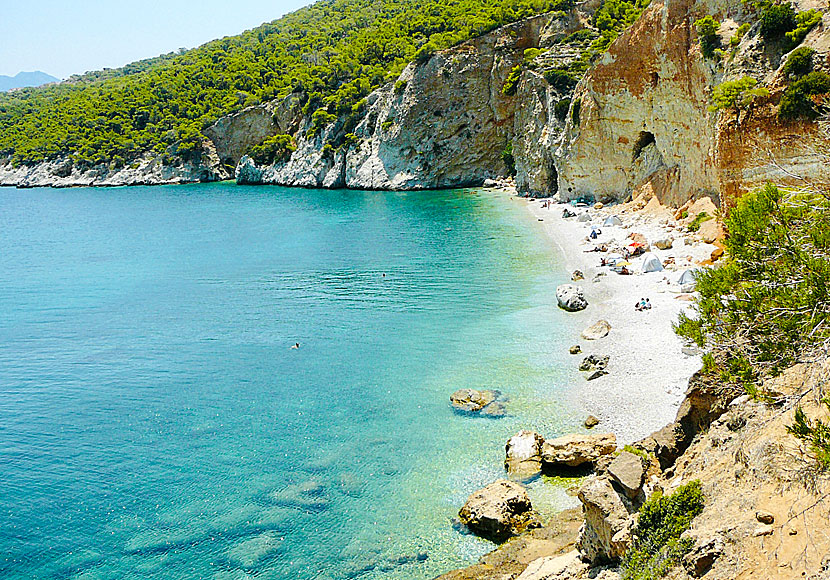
{"points": [[523, 455], [597, 330], [663, 243], [567, 565], [703, 554], [575, 349], [710, 231], [596, 374], [628, 471], [490, 183], [606, 514], [494, 410], [594, 362], [577, 275], [571, 297], [667, 444], [591, 422], [575, 450], [498, 511], [764, 517]]}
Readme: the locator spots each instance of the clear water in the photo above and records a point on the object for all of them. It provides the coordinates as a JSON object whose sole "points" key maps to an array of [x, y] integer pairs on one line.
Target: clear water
{"points": [[154, 422]]}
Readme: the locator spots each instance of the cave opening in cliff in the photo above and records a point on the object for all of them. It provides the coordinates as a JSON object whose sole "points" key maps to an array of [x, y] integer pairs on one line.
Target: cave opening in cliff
{"points": [[554, 179], [643, 140]]}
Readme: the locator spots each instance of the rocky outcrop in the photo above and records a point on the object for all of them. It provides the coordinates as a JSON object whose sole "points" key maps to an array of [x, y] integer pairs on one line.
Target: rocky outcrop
{"points": [[606, 532], [523, 455], [498, 511]]}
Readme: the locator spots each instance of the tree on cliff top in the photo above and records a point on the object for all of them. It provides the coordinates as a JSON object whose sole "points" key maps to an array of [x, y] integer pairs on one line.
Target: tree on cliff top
{"points": [[332, 53]]}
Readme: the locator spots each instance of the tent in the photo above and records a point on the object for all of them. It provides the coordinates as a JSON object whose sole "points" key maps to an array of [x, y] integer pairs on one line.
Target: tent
{"points": [[612, 220], [585, 217], [651, 263], [687, 280]]}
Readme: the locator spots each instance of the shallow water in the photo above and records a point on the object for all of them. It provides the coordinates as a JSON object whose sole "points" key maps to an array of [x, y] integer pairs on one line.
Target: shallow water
{"points": [[154, 422]]}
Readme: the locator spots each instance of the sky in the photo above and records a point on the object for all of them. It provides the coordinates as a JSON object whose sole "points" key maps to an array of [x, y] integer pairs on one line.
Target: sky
{"points": [[65, 37]]}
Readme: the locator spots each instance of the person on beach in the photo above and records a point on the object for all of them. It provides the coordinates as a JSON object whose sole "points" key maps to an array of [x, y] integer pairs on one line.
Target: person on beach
{"points": [[647, 305]]}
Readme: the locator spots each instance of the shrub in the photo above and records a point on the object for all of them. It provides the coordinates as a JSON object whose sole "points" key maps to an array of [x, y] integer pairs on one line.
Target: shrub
{"points": [[562, 80], [816, 434], [575, 112], [560, 109], [777, 20], [699, 219], [739, 34], [512, 81], [736, 95], [797, 103], [804, 23], [400, 87], [656, 545], [799, 63], [273, 150], [319, 120], [769, 301], [509, 160], [707, 32]]}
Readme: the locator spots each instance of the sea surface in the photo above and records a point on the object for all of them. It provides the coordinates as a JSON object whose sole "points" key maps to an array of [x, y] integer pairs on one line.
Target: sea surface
{"points": [[155, 423]]}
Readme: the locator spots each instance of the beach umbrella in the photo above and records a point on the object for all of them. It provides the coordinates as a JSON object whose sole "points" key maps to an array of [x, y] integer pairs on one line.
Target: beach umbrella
{"points": [[612, 220]]}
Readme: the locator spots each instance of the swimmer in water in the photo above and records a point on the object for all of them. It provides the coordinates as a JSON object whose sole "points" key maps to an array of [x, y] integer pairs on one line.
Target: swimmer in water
{"points": [[296, 345]]}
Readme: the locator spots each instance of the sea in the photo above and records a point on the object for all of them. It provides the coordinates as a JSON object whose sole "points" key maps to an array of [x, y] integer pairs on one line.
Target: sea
{"points": [[155, 422]]}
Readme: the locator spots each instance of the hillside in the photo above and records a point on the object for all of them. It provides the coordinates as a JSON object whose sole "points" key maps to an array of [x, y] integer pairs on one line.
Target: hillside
{"points": [[334, 52]]}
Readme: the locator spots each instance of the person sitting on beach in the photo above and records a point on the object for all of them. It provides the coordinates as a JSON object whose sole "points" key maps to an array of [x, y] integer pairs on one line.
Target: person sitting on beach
{"points": [[624, 271], [647, 305]]}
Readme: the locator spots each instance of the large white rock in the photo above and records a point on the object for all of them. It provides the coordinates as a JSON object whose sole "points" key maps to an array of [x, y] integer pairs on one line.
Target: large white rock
{"points": [[571, 297]]}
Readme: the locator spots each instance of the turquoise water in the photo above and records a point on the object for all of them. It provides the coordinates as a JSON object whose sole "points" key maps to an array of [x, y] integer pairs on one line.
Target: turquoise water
{"points": [[154, 422]]}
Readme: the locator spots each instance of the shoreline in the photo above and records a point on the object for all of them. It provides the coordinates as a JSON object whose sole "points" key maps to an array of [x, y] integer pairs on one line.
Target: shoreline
{"points": [[648, 370]]}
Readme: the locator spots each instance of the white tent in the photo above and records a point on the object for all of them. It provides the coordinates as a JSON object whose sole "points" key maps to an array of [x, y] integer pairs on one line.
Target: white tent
{"points": [[612, 220], [584, 217], [651, 263], [688, 277]]}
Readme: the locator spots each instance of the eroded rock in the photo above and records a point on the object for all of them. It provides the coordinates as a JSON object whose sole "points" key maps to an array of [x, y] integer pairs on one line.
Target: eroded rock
{"points": [[575, 450], [606, 515], [599, 329], [498, 511], [571, 297], [485, 403], [594, 362], [628, 471], [523, 455]]}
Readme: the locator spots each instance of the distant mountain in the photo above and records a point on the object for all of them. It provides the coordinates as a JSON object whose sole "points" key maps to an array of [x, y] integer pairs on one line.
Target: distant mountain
{"points": [[25, 79]]}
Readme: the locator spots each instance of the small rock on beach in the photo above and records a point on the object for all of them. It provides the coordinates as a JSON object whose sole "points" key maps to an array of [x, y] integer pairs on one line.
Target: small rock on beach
{"points": [[599, 329]]}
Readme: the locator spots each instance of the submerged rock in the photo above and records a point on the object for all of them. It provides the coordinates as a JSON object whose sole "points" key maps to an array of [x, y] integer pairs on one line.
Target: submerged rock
{"points": [[575, 450], [571, 297], [484, 403], [498, 511]]}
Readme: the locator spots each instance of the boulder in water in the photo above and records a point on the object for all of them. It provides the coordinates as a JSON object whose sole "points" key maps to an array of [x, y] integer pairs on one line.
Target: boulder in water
{"points": [[498, 511], [523, 455]]}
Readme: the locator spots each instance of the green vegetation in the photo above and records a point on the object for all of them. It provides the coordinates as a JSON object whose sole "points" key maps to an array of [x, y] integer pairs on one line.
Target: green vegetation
{"points": [[331, 54], [656, 545], [816, 434], [739, 34], [273, 150], [769, 302], [638, 452], [707, 32], [562, 80], [509, 160], [804, 23], [575, 112], [560, 109], [738, 95], [699, 219], [797, 101], [400, 87], [780, 22], [799, 63], [512, 80]]}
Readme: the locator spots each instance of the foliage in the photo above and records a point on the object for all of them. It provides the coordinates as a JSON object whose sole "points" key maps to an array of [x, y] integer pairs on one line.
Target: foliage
{"points": [[560, 109], [707, 32], [816, 434], [797, 103], [613, 17], [512, 81], [575, 112], [739, 34], [273, 150], [656, 545], [699, 219], [332, 54], [770, 300], [562, 80], [799, 63], [400, 87], [804, 23], [777, 19], [509, 160], [737, 95]]}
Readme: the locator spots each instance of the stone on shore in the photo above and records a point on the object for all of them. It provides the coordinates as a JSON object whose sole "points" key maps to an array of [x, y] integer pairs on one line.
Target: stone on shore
{"points": [[498, 511], [628, 471], [575, 349], [571, 297], [575, 450], [596, 374], [591, 422], [594, 362], [523, 455], [597, 330], [664, 244], [577, 275]]}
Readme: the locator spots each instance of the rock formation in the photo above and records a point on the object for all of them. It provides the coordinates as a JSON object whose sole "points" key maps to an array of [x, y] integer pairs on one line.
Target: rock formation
{"points": [[498, 511]]}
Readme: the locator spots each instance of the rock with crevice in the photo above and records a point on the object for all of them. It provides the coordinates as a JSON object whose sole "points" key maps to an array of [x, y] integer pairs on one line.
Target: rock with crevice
{"points": [[606, 515], [523, 455], [499, 510]]}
